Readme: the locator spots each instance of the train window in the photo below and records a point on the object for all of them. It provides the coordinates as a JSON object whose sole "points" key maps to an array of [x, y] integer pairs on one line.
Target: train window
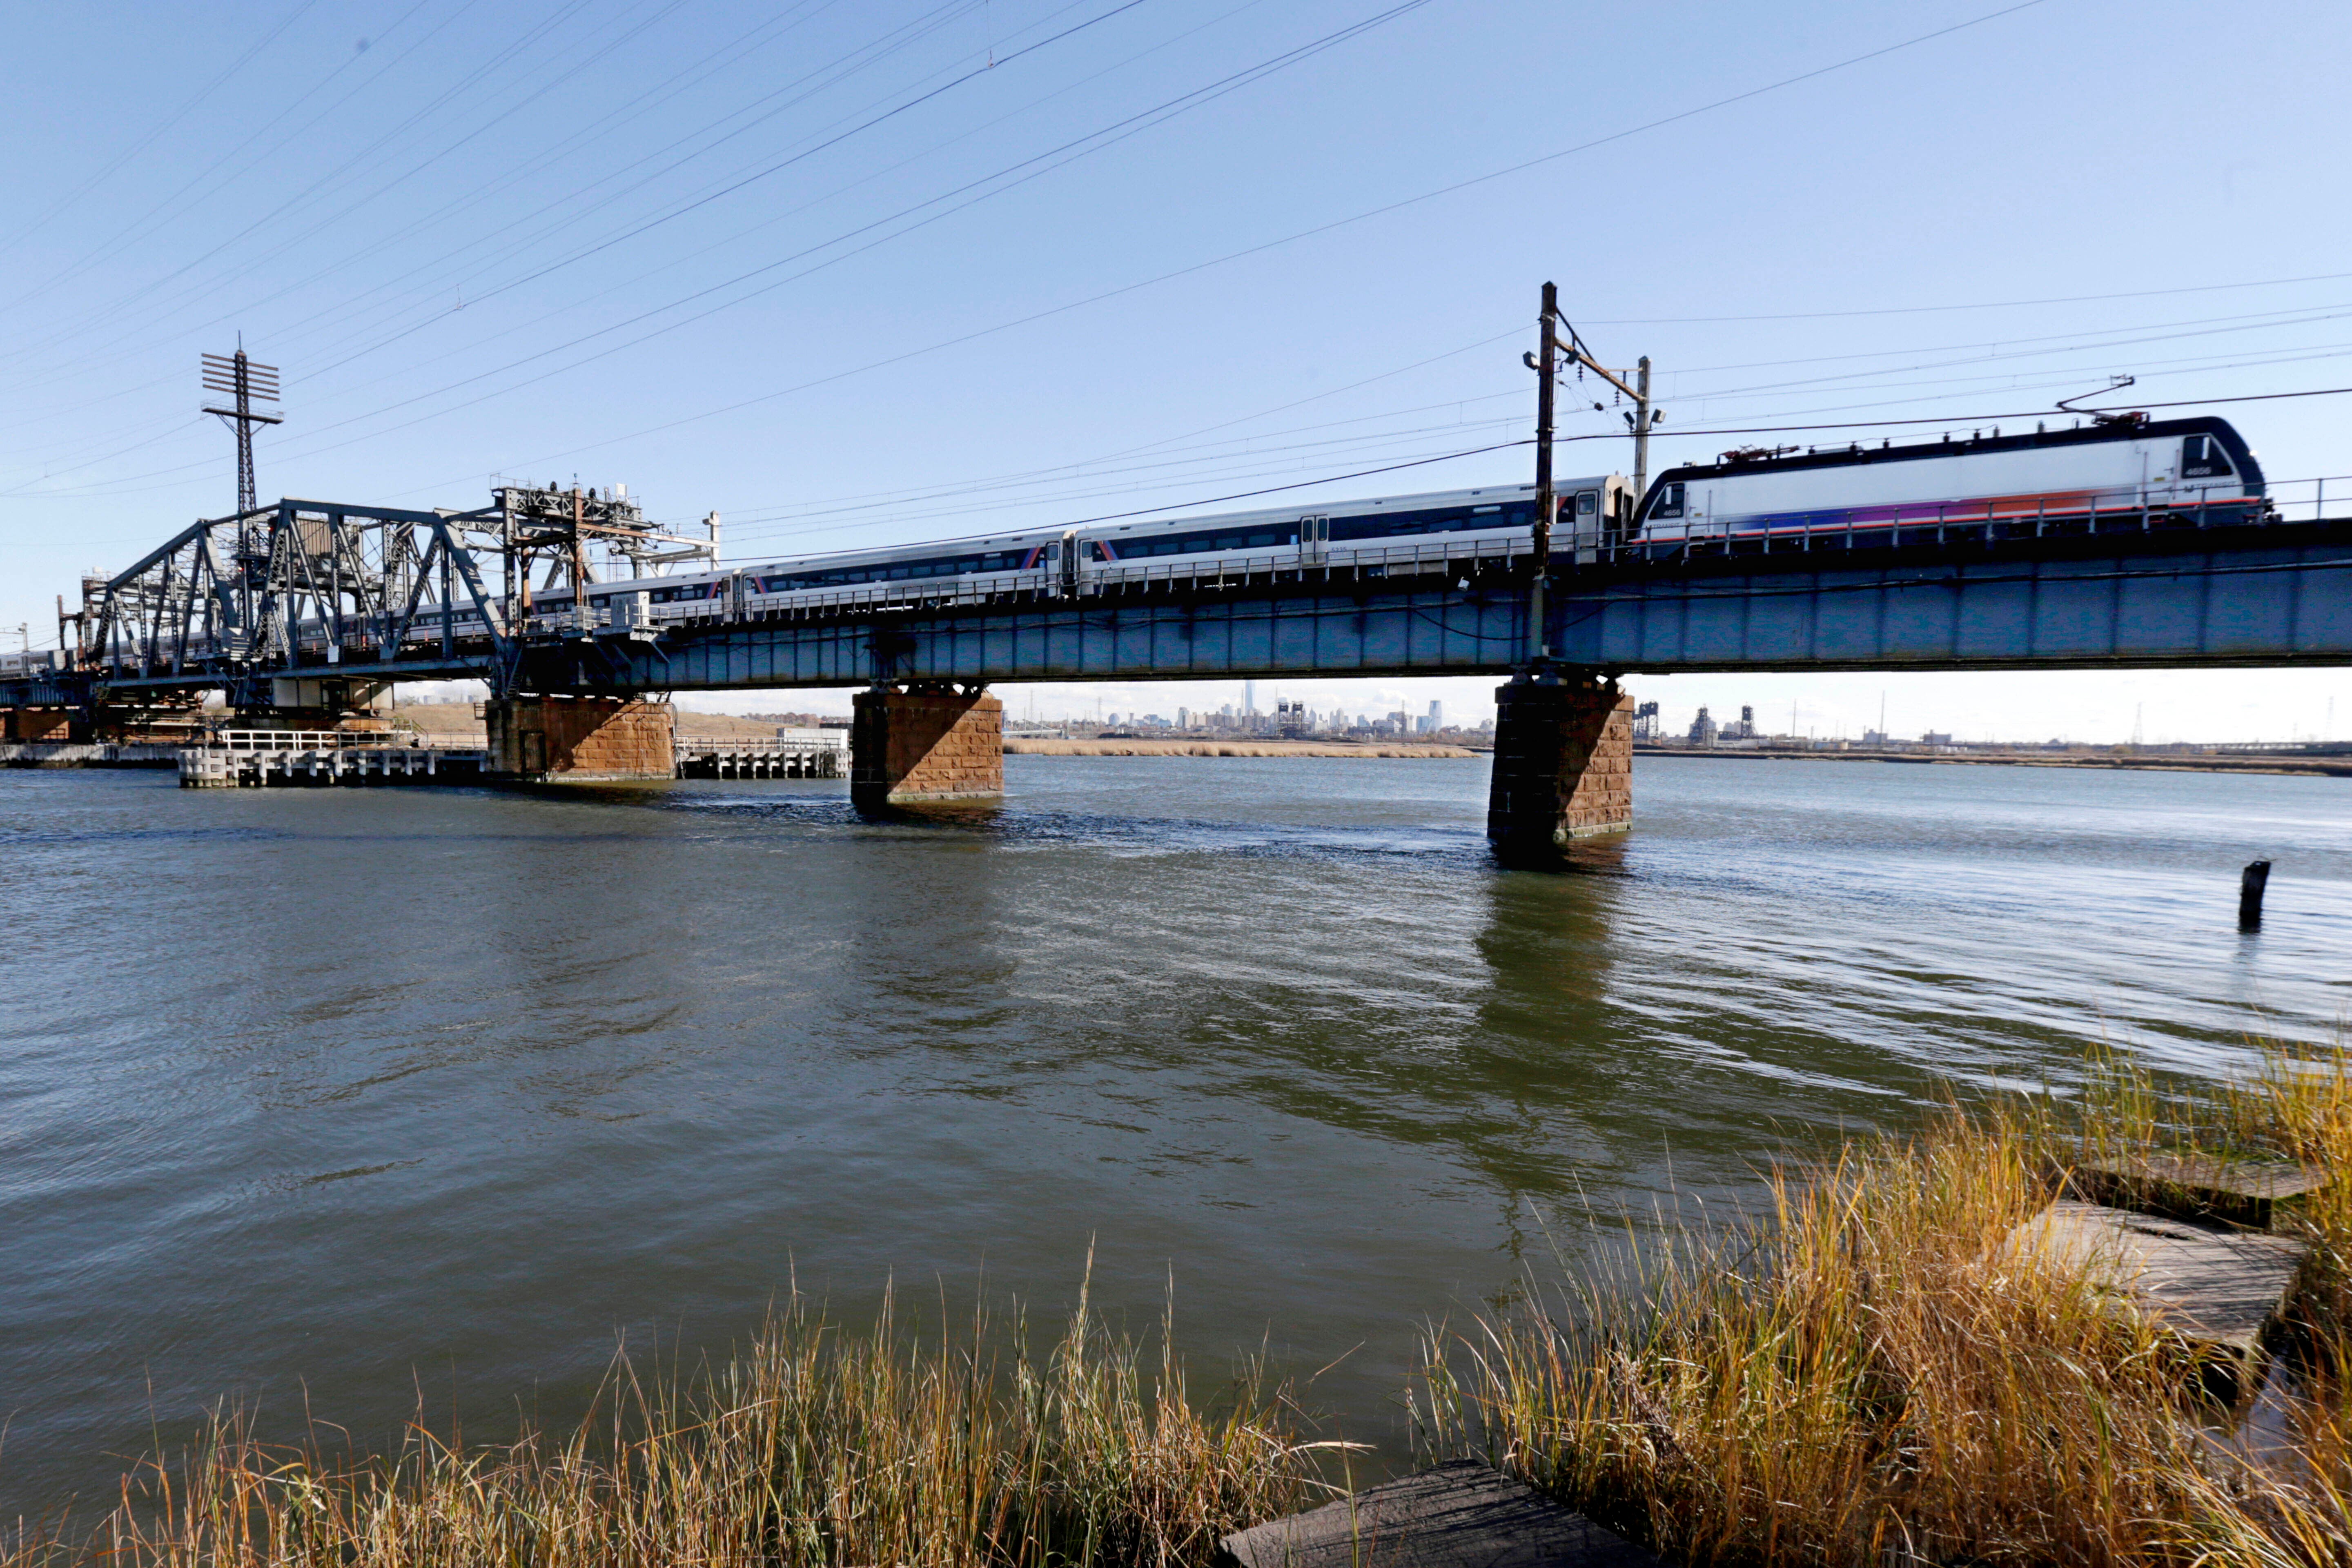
{"points": [[1670, 502], [2201, 458], [1587, 502]]}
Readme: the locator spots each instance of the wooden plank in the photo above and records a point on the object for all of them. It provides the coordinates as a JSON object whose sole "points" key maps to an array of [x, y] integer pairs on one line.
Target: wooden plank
{"points": [[2210, 1284], [2196, 1186], [1462, 1515]]}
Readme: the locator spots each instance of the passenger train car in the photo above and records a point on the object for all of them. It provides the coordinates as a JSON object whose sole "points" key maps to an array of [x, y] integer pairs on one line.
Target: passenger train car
{"points": [[2173, 472], [1416, 532]]}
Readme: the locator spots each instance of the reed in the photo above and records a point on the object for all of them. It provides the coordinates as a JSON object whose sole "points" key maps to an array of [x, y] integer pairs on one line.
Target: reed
{"points": [[810, 1446], [1865, 1371]]}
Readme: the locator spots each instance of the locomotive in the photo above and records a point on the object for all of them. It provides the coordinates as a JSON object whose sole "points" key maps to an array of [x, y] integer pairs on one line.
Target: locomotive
{"points": [[2121, 470]]}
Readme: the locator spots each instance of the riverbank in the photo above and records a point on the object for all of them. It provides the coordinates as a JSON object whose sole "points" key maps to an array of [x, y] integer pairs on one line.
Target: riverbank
{"points": [[1872, 1371], [1049, 747], [1906, 1359]]}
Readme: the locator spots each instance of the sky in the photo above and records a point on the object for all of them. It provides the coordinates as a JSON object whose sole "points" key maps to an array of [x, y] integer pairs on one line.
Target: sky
{"points": [[852, 274]]}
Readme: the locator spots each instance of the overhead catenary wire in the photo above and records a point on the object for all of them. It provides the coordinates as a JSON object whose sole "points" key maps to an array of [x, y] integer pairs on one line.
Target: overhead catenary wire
{"points": [[1124, 128], [1293, 237], [20, 233]]}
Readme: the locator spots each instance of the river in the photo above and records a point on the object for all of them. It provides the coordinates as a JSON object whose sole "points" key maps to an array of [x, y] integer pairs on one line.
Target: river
{"points": [[342, 1095]]}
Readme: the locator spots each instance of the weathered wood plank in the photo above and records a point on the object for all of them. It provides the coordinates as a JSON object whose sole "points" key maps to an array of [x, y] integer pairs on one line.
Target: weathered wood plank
{"points": [[2208, 1284], [1462, 1515], [2196, 1186]]}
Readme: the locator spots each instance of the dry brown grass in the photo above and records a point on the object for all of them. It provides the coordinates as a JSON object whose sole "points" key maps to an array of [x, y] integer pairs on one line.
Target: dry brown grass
{"points": [[812, 1447], [1866, 1370]]}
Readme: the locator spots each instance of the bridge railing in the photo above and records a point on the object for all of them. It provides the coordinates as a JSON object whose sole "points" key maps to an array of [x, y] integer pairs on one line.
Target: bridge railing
{"points": [[304, 739], [777, 745]]}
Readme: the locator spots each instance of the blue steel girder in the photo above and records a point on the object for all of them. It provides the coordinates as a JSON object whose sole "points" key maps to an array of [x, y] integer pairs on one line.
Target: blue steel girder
{"points": [[1371, 628], [2276, 596]]}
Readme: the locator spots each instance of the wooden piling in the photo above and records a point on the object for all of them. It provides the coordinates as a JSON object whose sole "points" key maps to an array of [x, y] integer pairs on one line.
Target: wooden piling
{"points": [[2250, 885]]}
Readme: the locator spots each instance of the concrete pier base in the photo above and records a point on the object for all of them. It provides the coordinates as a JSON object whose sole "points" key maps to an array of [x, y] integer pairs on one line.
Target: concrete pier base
{"points": [[1563, 764], [925, 743], [581, 740]]}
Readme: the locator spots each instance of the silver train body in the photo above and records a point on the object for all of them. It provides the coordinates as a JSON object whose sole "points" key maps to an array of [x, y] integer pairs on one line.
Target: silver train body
{"points": [[40, 661], [1394, 535], [2169, 473]]}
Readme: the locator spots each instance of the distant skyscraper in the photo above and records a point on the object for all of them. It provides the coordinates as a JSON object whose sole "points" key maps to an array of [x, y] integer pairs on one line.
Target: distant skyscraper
{"points": [[1437, 715], [1249, 697]]}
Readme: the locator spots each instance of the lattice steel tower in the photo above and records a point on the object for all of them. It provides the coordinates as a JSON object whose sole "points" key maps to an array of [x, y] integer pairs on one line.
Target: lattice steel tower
{"points": [[239, 377]]}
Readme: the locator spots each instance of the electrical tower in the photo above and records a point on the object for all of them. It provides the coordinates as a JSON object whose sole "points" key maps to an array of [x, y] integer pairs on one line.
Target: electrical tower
{"points": [[239, 378]]}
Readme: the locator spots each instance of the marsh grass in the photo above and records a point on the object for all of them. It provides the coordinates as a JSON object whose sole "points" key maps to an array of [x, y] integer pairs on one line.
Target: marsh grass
{"points": [[1865, 1370], [810, 1446]]}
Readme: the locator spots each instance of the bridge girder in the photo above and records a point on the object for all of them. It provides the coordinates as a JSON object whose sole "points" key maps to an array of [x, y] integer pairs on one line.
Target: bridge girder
{"points": [[2268, 596]]}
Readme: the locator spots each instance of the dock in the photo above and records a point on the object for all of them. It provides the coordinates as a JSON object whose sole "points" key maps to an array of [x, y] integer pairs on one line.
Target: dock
{"points": [[261, 759], [278, 759]]}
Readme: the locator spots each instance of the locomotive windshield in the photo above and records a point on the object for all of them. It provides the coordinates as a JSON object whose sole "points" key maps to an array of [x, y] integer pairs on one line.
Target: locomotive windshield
{"points": [[1669, 502], [2201, 458]]}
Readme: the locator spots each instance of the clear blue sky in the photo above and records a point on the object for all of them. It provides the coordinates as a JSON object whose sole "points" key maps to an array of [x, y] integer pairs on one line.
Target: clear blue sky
{"points": [[689, 245]]}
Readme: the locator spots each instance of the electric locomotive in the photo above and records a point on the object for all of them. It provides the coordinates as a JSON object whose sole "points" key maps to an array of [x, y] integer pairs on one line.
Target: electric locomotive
{"points": [[2118, 471]]}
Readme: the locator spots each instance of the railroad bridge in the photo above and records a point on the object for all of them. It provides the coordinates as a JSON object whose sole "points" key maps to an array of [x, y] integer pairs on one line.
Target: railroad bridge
{"points": [[311, 610]]}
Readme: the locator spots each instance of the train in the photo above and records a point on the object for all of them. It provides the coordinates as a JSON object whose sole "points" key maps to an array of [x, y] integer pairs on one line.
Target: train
{"points": [[1493, 524], [2119, 472], [2116, 471], [31, 664]]}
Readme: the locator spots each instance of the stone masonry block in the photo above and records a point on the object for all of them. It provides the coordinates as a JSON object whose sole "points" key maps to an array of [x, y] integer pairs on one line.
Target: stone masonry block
{"points": [[925, 744], [1563, 762]]}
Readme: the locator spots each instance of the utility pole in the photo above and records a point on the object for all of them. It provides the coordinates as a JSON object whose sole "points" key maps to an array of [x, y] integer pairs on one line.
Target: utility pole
{"points": [[1643, 419], [1547, 382], [239, 378]]}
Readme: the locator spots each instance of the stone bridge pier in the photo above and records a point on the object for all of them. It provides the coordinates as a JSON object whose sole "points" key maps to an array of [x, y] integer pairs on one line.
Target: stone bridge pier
{"points": [[1563, 762], [554, 738], [925, 741]]}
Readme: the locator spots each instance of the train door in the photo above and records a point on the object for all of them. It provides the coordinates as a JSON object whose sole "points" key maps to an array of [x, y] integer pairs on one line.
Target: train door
{"points": [[1067, 553], [1314, 540], [1583, 519]]}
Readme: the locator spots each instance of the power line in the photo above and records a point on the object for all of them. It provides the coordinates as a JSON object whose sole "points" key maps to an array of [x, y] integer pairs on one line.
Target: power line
{"points": [[1132, 123], [1981, 305], [1293, 237], [127, 154]]}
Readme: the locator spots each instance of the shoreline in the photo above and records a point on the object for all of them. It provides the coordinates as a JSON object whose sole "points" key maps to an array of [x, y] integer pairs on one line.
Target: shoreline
{"points": [[1728, 1395], [2324, 767]]}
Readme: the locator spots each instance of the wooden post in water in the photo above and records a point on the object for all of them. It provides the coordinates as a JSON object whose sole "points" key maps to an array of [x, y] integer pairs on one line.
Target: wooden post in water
{"points": [[2251, 885]]}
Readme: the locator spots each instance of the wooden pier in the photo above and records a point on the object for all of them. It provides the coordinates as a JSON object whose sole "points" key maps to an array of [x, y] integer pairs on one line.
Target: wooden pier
{"points": [[262, 759], [278, 759]]}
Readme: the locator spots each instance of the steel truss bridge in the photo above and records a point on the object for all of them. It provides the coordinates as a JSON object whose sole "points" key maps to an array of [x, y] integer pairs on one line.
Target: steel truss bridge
{"points": [[307, 591]]}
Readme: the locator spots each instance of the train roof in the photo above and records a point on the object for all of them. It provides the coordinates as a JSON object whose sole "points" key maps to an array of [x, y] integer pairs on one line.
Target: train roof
{"points": [[1421, 501], [1855, 455]]}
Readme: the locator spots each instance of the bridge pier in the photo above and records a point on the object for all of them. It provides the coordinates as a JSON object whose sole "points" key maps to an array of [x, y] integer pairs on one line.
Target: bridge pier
{"points": [[1563, 762], [925, 743], [39, 724], [560, 739]]}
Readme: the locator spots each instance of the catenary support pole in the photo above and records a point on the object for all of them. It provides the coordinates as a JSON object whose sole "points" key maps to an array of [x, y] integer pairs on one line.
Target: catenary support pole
{"points": [[1641, 423], [1546, 380]]}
